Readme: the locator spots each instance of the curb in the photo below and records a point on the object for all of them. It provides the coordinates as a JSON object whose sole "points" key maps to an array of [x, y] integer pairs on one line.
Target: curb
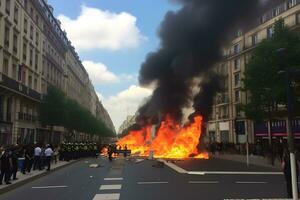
{"points": [[28, 180]]}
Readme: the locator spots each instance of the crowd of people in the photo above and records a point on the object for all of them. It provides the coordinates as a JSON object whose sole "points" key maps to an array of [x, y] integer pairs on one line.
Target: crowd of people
{"points": [[39, 157], [35, 157]]}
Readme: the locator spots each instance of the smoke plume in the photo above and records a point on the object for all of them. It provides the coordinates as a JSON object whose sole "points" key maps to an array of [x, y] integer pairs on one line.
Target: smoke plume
{"points": [[191, 41]]}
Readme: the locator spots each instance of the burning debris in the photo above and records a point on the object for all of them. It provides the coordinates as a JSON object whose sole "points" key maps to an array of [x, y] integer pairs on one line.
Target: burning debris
{"points": [[171, 141], [191, 41]]}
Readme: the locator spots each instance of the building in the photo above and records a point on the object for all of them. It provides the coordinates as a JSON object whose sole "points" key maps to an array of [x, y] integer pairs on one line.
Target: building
{"points": [[128, 122], [35, 53], [227, 123]]}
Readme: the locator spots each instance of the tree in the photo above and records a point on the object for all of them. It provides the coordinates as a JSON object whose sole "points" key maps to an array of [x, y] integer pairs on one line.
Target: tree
{"points": [[266, 86], [59, 110]]}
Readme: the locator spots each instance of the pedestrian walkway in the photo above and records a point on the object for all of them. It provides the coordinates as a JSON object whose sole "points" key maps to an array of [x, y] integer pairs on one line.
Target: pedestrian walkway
{"points": [[33, 174], [253, 160]]}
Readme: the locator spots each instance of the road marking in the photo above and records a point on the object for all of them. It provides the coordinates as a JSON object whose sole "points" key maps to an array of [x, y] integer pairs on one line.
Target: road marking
{"points": [[113, 179], [233, 173], [110, 187], [203, 182], [251, 182], [148, 183], [174, 167], [50, 187], [114, 196]]}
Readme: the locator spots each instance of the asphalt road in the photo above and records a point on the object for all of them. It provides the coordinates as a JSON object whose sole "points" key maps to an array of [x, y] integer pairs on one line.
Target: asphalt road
{"points": [[127, 180]]}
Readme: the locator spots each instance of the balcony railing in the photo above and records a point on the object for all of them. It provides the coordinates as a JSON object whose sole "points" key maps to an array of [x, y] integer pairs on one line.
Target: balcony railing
{"points": [[27, 117]]}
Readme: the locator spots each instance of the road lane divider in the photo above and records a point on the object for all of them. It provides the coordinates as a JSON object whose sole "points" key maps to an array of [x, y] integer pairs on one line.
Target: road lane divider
{"points": [[113, 179], [50, 187], [204, 182], [251, 182], [150, 183]]}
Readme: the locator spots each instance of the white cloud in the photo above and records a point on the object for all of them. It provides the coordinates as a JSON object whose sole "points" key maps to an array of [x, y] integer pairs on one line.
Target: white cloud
{"points": [[100, 96], [102, 29], [125, 103], [99, 74]]}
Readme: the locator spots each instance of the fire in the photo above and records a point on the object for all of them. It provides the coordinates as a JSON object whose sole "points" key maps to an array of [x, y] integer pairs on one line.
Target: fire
{"points": [[171, 140]]}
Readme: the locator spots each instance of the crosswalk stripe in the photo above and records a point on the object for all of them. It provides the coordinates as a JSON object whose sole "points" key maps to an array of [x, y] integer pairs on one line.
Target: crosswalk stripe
{"points": [[113, 179], [148, 183], [250, 182], [114, 196], [111, 187]]}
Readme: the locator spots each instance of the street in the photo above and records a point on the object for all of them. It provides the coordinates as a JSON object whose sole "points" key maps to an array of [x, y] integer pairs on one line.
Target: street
{"points": [[130, 180]]}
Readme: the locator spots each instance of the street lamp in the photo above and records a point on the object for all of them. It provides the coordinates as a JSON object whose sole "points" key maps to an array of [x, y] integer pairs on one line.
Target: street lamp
{"points": [[289, 127]]}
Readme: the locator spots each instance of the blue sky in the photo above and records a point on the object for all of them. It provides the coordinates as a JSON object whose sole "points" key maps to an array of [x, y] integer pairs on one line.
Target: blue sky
{"points": [[113, 37]]}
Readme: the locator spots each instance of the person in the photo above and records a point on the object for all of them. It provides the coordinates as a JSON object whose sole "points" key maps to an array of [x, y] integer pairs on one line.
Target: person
{"points": [[6, 165], [286, 167], [110, 152], [28, 160], [14, 159], [48, 155], [37, 158], [125, 151]]}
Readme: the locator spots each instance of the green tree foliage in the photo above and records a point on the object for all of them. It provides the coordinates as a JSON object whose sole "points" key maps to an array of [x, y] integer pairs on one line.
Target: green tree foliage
{"points": [[267, 87], [59, 110]]}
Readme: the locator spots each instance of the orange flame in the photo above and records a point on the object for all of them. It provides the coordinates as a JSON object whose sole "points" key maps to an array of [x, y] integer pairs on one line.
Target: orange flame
{"points": [[171, 140]]}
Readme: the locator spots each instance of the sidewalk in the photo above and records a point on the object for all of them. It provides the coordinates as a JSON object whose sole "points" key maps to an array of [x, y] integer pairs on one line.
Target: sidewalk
{"points": [[253, 160], [25, 178]]}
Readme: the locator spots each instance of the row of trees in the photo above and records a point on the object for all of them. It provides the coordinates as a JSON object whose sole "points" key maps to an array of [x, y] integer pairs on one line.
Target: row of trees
{"points": [[59, 110], [266, 75]]}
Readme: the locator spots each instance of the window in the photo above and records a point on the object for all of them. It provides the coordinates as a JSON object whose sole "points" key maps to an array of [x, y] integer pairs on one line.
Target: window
{"points": [[292, 3], [37, 19], [237, 64], [31, 12], [237, 96], [254, 39], [36, 60], [16, 14], [30, 57], [237, 80], [14, 71], [15, 43], [270, 32], [24, 51], [30, 81], [37, 38], [298, 18], [35, 84], [31, 32], [6, 37], [7, 7], [5, 65], [25, 4], [25, 25], [236, 48]]}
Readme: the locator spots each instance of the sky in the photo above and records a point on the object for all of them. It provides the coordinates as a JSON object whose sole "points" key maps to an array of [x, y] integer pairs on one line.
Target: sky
{"points": [[112, 38]]}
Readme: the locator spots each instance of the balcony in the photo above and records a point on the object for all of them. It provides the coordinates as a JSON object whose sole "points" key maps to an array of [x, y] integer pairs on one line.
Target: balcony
{"points": [[26, 117]]}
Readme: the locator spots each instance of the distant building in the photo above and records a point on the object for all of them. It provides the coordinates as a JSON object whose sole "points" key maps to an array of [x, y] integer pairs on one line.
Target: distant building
{"points": [[129, 121]]}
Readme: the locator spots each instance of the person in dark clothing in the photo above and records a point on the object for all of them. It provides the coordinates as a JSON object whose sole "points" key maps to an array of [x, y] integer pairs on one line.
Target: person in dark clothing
{"points": [[14, 160], [110, 152], [28, 154], [286, 167], [6, 165]]}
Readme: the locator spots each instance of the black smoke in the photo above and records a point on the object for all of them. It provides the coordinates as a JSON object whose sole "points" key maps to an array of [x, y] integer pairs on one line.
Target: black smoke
{"points": [[191, 41]]}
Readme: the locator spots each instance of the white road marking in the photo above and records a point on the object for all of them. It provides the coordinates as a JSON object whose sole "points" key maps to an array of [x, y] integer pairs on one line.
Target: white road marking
{"points": [[148, 183], [114, 196], [113, 179], [203, 182], [251, 182], [111, 187], [183, 171], [50, 187], [233, 173], [174, 167]]}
